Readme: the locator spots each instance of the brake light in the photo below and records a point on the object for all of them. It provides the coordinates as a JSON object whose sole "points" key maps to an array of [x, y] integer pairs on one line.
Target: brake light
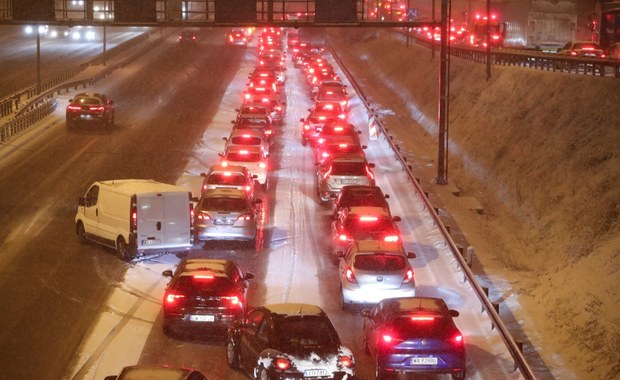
{"points": [[367, 218], [422, 318], [341, 116], [282, 364], [247, 96], [338, 129], [248, 188], [234, 300], [268, 131], [203, 216], [191, 215], [203, 277], [342, 237], [245, 217], [224, 163], [97, 108], [343, 103], [350, 276], [306, 127], [74, 108], [172, 298], [133, 214], [243, 152], [408, 277], [346, 361], [458, 340]]}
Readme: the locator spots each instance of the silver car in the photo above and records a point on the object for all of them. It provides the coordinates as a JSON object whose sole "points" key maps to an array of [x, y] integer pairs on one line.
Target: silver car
{"points": [[225, 214], [347, 169], [372, 270]]}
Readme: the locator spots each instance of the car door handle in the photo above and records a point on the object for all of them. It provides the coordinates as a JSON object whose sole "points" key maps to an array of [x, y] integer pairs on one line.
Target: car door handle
{"points": [[158, 226]]}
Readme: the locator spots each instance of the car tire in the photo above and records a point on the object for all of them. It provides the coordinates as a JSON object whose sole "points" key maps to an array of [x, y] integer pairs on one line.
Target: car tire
{"points": [[459, 375], [380, 374], [232, 354], [70, 124], [167, 328], [81, 232], [123, 249], [263, 374]]}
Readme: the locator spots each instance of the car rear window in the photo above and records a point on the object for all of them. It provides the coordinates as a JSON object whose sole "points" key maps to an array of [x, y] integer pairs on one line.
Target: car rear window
{"points": [[407, 327], [250, 140], [308, 333], [193, 285], [354, 223], [225, 204], [344, 148], [222, 179], [379, 262], [88, 100], [348, 168], [243, 157], [363, 197]]}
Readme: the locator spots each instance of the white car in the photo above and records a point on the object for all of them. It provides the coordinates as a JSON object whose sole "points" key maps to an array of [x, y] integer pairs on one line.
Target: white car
{"points": [[372, 270], [250, 157], [248, 137]]}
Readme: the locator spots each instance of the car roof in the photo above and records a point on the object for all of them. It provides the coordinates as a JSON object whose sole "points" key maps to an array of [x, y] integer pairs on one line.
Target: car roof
{"points": [[229, 168], [201, 265], [366, 210], [295, 309], [366, 246], [142, 372], [411, 304], [239, 148], [228, 193]]}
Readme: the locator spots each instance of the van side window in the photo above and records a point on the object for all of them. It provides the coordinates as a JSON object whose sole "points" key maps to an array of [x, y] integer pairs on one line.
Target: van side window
{"points": [[91, 196]]}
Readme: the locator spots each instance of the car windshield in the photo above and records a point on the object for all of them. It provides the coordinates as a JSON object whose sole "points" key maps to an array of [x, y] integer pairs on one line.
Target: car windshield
{"points": [[348, 168], [204, 285], [225, 204], [243, 157], [379, 262], [305, 334], [226, 179]]}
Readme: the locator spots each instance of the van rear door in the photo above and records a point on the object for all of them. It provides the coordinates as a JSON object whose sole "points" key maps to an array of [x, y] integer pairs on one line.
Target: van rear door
{"points": [[164, 221]]}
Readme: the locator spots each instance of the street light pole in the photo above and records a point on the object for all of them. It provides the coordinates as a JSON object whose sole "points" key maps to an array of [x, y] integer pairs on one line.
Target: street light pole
{"points": [[38, 60], [442, 118]]}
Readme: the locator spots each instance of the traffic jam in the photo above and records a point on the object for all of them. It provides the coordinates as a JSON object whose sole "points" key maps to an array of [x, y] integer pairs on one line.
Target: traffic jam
{"points": [[402, 332]]}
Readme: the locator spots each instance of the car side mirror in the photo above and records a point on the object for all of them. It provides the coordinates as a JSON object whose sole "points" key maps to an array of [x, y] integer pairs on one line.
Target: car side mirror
{"points": [[203, 175], [396, 219], [232, 122], [167, 273], [365, 313], [82, 201], [387, 196], [254, 176], [225, 138], [364, 146], [454, 313], [236, 109], [358, 132], [411, 255], [221, 154]]}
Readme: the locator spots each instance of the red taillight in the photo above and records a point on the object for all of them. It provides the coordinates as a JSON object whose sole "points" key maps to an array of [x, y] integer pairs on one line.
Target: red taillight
{"points": [[172, 298], [341, 116], [422, 318], [350, 276], [245, 217], [458, 340], [134, 216], [74, 108], [408, 277], [203, 216], [268, 131], [97, 108], [306, 127], [282, 364], [367, 218], [346, 361], [234, 300], [342, 237]]}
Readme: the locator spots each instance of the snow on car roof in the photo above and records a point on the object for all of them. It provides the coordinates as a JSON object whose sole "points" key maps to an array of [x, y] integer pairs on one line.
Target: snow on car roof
{"points": [[292, 309]]}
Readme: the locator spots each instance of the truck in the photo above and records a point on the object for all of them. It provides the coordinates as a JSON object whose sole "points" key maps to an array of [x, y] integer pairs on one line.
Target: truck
{"points": [[314, 36]]}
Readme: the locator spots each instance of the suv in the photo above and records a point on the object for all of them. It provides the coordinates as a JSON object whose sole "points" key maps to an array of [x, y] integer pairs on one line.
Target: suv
{"points": [[359, 195], [342, 170], [364, 223], [225, 214], [250, 157], [372, 270], [90, 108], [288, 341], [208, 293], [228, 177]]}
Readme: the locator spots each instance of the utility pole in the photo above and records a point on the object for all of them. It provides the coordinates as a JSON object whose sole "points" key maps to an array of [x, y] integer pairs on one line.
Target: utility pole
{"points": [[442, 118]]}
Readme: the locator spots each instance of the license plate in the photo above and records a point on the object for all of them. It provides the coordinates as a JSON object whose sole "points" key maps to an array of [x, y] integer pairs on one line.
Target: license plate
{"points": [[151, 242], [348, 181], [423, 361], [220, 222], [315, 373], [87, 117], [202, 318]]}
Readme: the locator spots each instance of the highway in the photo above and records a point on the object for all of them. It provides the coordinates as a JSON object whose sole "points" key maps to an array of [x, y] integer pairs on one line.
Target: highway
{"points": [[78, 312]]}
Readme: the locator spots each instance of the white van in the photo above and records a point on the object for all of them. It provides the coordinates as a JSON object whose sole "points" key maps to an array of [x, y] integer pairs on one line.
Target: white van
{"points": [[136, 217]]}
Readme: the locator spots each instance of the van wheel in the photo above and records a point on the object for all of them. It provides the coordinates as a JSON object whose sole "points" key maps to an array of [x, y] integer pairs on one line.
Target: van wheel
{"points": [[123, 249], [81, 233]]}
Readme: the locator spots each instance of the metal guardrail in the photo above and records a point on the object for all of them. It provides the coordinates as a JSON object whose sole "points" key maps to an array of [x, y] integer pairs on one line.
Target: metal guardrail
{"points": [[45, 103], [487, 305], [531, 59]]}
